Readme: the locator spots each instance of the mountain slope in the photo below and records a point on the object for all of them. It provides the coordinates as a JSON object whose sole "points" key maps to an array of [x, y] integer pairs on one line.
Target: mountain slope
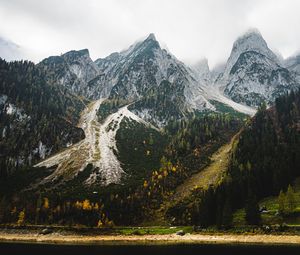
{"points": [[76, 72], [98, 149], [293, 65], [263, 159], [36, 118], [210, 176]]}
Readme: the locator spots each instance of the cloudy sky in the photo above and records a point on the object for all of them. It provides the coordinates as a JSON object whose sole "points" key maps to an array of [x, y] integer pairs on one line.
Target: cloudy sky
{"points": [[190, 29]]}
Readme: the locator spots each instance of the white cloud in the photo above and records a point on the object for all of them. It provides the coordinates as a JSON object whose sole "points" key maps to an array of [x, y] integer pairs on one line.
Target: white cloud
{"points": [[190, 28]]}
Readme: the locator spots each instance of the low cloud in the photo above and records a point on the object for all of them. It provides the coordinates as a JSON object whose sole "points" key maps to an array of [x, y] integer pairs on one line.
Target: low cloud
{"points": [[191, 29]]}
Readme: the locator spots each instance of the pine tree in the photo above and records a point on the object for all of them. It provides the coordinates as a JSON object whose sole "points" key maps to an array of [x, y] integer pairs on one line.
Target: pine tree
{"points": [[281, 202], [227, 214], [253, 216], [290, 200]]}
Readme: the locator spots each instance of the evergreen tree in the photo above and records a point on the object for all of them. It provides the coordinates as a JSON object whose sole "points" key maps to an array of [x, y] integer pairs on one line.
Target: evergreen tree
{"points": [[290, 200], [253, 216], [281, 202], [227, 214]]}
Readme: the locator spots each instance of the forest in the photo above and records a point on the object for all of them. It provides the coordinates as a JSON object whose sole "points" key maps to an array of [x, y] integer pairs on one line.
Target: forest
{"points": [[140, 195], [37, 116], [264, 160]]}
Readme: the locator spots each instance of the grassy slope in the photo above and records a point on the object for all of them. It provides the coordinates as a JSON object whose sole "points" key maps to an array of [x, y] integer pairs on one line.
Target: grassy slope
{"points": [[210, 175], [270, 216]]}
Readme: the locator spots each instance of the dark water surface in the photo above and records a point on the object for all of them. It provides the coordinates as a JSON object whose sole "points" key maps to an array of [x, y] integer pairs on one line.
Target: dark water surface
{"points": [[201, 249]]}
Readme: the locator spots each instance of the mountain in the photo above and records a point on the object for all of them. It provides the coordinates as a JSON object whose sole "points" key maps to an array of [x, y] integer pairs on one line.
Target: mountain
{"points": [[253, 73], [121, 133], [130, 76], [142, 72]]}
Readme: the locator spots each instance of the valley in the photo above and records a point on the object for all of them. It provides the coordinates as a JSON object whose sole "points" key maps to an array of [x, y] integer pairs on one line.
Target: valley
{"points": [[139, 137]]}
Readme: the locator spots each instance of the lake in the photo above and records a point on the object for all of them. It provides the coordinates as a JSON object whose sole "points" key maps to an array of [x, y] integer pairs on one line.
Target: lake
{"points": [[203, 249]]}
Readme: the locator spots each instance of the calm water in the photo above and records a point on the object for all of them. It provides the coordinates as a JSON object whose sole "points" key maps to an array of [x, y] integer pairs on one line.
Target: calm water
{"points": [[44, 249]]}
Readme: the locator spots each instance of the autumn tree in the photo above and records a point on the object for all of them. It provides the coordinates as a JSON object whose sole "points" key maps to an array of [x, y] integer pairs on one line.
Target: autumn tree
{"points": [[21, 218]]}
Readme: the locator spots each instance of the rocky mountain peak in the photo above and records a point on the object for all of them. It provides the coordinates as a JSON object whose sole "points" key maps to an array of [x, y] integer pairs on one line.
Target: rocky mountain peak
{"points": [[202, 72], [202, 66], [76, 54], [151, 36], [253, 73], [252, 40]]}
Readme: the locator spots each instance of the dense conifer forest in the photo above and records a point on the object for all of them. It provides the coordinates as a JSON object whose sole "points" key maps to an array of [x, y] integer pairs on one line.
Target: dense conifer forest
{"points": [[36, 116]]}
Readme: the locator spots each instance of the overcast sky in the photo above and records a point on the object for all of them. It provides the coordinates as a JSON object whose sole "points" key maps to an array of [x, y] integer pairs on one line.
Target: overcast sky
{"points": [[191, 29]]}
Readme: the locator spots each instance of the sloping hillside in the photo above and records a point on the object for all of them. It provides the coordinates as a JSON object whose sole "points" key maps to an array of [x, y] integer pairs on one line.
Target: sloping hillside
{"points": [[37, 118]]}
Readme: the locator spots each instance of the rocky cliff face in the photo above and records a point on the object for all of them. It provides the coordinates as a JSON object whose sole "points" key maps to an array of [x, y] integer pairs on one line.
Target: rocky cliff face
{"points": [[141, 72], [75, 71], [293, 65], [254, 74]]}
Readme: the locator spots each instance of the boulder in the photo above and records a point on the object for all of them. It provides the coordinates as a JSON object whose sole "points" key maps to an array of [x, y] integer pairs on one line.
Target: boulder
{"points": [[46, 231], [180, 233]]}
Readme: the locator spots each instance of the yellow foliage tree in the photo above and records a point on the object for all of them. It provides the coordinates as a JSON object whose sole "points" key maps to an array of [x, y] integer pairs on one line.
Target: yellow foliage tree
{"points": [[46, 203], [86, 205], [100, 224], [145, 184], [21, 218], [78, 205], [96, 207]]}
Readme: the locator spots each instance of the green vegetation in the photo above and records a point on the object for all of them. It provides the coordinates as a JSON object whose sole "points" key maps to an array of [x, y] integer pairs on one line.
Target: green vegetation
{"points": [[264, 159], [273, 213], [161, 104], [223, 108], [154, 167], [139, 156], [110, 106]]}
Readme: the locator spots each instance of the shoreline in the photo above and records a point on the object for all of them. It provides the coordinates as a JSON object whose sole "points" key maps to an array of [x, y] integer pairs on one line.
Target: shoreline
{"points": [[167, 239]]}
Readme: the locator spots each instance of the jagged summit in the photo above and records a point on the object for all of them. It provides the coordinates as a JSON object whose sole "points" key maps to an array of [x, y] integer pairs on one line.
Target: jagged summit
{"points": [[254, 73], [202, 65], [202, 71], [252, 40], [70, 55], [250, 34], [77, 52], [151, 36]]}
